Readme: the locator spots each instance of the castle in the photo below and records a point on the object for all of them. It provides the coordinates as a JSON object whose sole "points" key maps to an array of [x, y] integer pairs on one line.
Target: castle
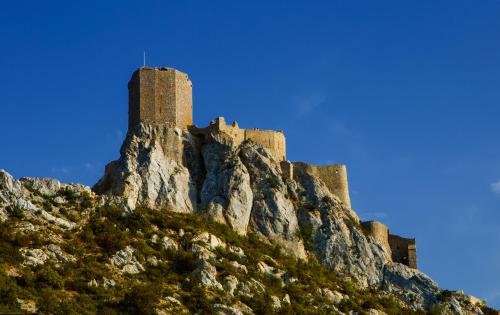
{"points": [[163, 96]]}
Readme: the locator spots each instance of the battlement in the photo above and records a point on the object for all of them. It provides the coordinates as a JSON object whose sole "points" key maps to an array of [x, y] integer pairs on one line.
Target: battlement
{"points": [[272, 140], [160, 96], [400, 249]]}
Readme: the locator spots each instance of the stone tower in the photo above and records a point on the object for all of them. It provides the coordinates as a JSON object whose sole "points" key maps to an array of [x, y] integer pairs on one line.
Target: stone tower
{"points": [[160, 96]]}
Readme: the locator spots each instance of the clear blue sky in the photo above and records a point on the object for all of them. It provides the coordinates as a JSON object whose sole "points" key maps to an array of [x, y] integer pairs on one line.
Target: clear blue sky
{"points": [[406, 93]]}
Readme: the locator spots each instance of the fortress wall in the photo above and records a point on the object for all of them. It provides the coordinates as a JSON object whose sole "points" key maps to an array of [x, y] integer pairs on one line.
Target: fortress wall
{"points": [[134, 99], [183, 100], [335, 178], [272, 140], [164, 96], [404, 250], [233, 131], [379, 232], [412, 255], [302, 167], [142, 97]]}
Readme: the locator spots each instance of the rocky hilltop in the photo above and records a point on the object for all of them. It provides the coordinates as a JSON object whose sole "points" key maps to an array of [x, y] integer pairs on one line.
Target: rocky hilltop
{"points": [[107, 240], [201, 221]]}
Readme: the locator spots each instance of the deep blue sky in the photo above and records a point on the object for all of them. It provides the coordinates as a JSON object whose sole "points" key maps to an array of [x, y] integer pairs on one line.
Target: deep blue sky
{"points": [[406, 93]]}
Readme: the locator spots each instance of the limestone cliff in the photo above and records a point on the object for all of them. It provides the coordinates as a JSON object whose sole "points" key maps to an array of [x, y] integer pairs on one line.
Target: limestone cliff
{"points": [[243, 186], [63, 238]]}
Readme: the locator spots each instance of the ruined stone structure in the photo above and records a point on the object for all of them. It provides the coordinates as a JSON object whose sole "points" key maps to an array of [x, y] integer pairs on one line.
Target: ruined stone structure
{"points": [[273, 141], [400, 249], [160, 96], [163, 97], [333, 176], [404, 250]]}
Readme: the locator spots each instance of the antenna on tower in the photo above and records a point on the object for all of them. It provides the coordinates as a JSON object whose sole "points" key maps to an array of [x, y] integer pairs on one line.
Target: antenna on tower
{"points": [[144, 59]]}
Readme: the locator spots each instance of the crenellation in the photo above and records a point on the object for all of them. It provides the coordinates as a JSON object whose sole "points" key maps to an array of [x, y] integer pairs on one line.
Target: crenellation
{"points": [[273, 141]]}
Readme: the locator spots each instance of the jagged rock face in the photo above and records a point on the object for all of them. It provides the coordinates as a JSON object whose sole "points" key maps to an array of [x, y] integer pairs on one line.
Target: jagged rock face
{"points": [[337, 238], [226, 194], [273, 213], [242, 186], [410, 285], [27, 193], [145, 175], [334, 233]]}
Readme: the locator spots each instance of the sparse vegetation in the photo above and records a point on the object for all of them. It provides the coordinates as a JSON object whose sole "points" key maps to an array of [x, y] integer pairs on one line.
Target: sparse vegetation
{"points": [[15, 211], [66, 289]]}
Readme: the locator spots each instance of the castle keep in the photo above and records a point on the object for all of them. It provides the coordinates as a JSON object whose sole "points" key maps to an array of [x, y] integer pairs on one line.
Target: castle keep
{"points": [[160, 96], [163, 97]]}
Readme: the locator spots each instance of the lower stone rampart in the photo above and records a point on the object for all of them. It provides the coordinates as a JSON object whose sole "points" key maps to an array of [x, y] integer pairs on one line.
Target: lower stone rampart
{"points": [[380, 233], [404, 250], [400, 249], [333, 176]]}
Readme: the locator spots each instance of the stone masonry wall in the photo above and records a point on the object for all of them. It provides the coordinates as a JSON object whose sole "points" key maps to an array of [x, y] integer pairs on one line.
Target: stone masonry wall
{"points": [[134, 97], [183, 99], [274, 141], [333, 176], [160, 96], [404, 250], [379, 232], [401, 250], [287, 169]]}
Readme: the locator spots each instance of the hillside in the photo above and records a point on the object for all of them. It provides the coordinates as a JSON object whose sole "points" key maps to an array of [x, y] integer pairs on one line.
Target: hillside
{"points": [[65, 249], [211, 220]]}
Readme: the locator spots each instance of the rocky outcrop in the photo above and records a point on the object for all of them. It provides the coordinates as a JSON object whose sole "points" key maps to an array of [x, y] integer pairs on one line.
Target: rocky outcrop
{"points": [[226, 195], [239, 185], [336, 235], [25, 197], [126, 262], [242, 185], [145, 175]]}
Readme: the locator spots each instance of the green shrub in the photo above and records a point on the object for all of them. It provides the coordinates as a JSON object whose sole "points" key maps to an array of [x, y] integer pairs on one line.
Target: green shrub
{"points": [[199, 301], [273, 182], [184, 262], [8, 295], [445, 295], [15, 212], [47, 276], [141, 300], [87, 201], [488, 310], [9, 252], [68, 194], [47, 206]]}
